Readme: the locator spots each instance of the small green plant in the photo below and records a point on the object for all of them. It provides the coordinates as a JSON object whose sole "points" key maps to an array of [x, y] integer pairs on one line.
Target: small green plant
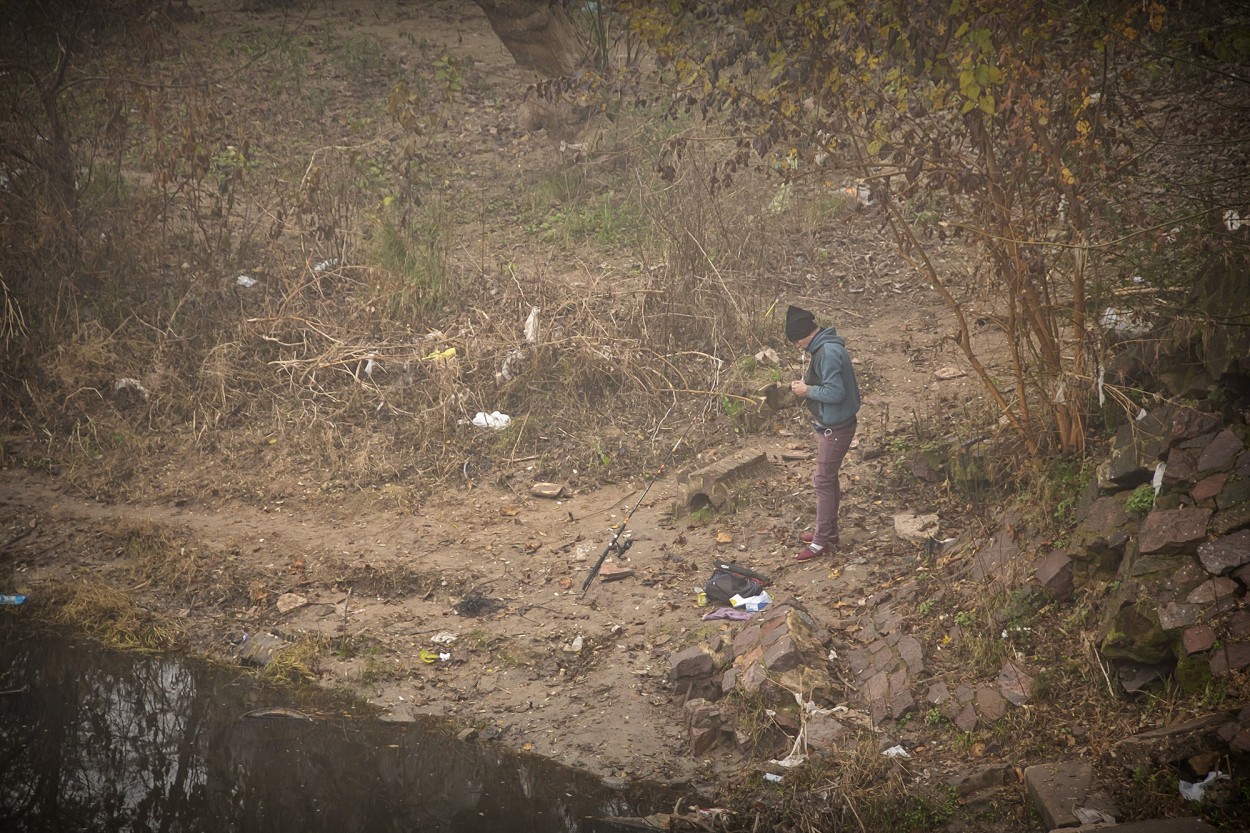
{"points": [[933, 716], [965, 619], [413, 256], [926, 607], [733, 407], [702, 515], [449, 73], [602, 457], [1142, 500]]}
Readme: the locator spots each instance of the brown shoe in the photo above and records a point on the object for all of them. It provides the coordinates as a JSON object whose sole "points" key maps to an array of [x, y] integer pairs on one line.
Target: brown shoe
{"points": [[807, 554], [807, 537]]}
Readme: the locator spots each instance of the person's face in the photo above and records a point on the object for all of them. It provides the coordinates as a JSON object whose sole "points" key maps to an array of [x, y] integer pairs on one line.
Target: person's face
{"points": [[805, 340]]}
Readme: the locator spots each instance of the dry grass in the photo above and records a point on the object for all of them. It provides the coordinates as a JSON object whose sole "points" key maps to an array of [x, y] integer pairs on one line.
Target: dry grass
{"points": [[110, 614]]}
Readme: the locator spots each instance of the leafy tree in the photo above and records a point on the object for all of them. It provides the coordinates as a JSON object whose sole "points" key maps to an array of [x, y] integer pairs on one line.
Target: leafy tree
{"points": [[1029, 125]]}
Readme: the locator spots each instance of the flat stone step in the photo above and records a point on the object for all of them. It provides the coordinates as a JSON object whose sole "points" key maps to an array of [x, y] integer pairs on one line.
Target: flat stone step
{"points": [[1186, 825]]}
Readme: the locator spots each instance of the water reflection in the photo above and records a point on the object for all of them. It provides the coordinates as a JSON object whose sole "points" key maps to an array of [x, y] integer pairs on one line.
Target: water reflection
{"points": [[92, 740]]}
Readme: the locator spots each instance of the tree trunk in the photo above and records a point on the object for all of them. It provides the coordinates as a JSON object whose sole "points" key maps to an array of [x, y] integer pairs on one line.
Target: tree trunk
{"points": [[539, 33]]}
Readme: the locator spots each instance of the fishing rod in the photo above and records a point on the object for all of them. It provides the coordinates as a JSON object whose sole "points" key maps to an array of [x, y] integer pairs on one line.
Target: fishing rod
{"points": [[614, 544]]}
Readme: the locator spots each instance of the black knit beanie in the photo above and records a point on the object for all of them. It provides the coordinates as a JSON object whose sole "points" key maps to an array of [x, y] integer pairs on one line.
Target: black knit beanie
{"points": [[799, 323]]}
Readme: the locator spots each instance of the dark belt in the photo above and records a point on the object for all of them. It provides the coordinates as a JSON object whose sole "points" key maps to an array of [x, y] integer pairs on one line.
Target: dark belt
{"points": [[820, 428]]}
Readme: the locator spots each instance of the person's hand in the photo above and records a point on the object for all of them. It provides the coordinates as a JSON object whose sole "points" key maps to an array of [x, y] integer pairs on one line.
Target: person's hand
{"points": [[798, 387]]}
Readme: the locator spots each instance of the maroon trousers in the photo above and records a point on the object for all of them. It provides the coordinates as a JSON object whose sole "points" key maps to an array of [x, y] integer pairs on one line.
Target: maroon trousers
{"points": [[831, 447]]}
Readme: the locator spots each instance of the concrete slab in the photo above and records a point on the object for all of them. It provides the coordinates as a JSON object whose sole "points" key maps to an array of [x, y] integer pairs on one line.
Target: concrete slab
{"points": [[1187, 825], [714, 485], [1058, 789]]}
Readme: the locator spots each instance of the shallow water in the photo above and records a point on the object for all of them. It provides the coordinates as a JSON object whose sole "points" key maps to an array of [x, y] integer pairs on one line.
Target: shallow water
{"points": [[97, 740]]}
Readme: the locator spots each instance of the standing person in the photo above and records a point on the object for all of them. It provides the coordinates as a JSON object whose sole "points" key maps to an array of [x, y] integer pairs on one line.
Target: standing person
{"points": [[832, 396]]}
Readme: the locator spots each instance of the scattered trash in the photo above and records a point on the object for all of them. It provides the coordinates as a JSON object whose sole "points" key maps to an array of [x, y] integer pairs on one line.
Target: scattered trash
{"points": [[701, 599], [12, 600], [729, 580], [1195, 790], [896, 752], [443, 638], [710, 813], [441, 355], [127, 383], [245, 281], [551, 490], [510, 365], [752, 604], [575, 647], [773, 777], [326, 265], [429, 656], [1233, 220], [494, 420], [780, 201], [370, 366], [944, 374], [1091, 815], [531, 325], [860, 193], [1124, 323]]}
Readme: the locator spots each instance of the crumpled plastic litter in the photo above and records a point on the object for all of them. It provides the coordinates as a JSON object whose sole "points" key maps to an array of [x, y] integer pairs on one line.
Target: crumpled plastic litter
{"points": [[860, 193], [798, 752], [443, 638], [493, 420], [127, 383], [896, 752], [753, 604], [531, 325], [427, 655], [441, 355], [1196, 790], [245, 281], [1092, 815]]}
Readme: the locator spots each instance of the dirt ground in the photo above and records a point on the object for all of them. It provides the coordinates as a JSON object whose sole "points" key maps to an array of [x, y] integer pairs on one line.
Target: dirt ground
{"points": [[580, 679], [514, 672]]}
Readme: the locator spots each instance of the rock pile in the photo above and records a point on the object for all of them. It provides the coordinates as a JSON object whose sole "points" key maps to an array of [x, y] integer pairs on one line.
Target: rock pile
{"points": [[1179, 574], [771, 659]]}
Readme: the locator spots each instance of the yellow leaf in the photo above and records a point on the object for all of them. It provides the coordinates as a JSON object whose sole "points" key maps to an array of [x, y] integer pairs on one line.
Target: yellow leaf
{"points": [[1066, 176], [724, 538]]}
